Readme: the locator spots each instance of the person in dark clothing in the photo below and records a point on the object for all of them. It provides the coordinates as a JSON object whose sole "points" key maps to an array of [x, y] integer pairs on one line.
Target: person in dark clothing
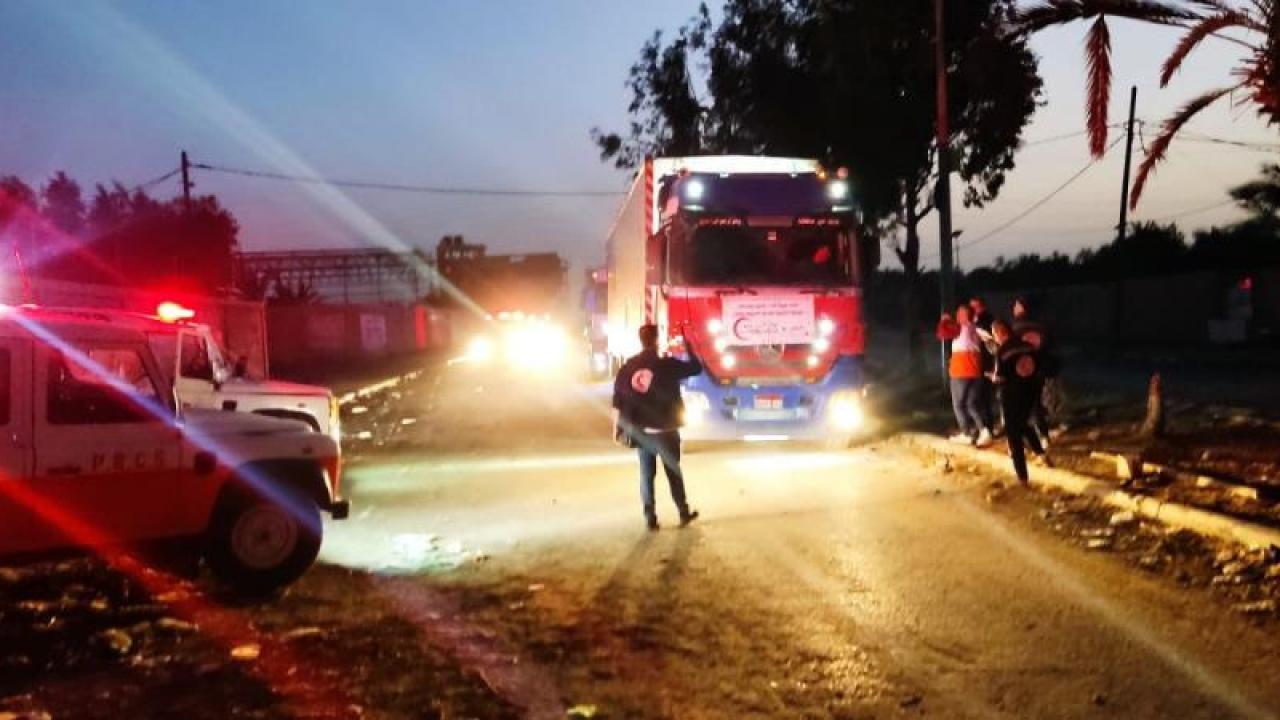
{"points": [[1028, 327], [647, 414], [982, 319], [1019, 376]]}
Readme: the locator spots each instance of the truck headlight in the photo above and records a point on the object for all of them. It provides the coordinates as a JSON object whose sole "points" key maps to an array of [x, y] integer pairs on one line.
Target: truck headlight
{"points": [[696, 407], [480, 349], [536, 346], [844, 411]]}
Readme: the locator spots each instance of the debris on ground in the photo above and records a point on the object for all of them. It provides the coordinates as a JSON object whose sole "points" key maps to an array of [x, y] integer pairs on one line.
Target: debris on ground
{"points": [[76, 634], [1246, 580], [246, 653]]}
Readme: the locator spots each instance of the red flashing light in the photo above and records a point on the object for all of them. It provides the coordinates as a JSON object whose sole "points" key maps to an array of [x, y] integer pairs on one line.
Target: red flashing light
{"points": [[172, 312]]}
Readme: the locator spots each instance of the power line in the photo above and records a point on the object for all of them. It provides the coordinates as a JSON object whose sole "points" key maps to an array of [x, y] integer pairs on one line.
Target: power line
{"points": [[1157, 218], [1064, 136], [1242, 144], [156, 180], [1194, 211], [398, 187], [1041, 202]]}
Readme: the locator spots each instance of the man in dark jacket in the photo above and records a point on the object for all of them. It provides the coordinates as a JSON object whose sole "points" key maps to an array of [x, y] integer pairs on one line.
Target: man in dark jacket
{"points": [[647, 414], [982, 319], [1018, 373], [1030, 329]]}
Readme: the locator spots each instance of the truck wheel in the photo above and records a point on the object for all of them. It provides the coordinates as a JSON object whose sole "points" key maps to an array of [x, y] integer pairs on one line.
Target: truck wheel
{"points": [[259, 544]]}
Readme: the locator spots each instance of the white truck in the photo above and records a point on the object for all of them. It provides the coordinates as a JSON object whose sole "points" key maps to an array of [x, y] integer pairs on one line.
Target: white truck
{"points": [[96, 452], [192, 360]]}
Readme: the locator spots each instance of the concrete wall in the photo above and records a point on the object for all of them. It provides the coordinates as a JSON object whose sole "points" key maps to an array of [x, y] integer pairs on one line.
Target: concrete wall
{"points": [[1188, 308], [301, 334]]}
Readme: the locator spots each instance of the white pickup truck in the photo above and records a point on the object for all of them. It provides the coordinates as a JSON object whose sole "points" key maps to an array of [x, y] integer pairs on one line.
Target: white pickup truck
{"points": [[189, 355], [95, 452]]}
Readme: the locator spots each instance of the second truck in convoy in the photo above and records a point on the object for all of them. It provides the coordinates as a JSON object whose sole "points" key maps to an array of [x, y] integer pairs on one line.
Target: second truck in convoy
{"points": [[755, 263]]}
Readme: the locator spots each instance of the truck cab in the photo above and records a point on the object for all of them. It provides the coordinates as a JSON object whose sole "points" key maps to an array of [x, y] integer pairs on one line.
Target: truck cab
{"points": [[754, 265], [96, 452]]}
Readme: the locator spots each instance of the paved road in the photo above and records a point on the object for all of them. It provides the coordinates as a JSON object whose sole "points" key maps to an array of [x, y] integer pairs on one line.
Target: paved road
{"points": [[818, 584]]}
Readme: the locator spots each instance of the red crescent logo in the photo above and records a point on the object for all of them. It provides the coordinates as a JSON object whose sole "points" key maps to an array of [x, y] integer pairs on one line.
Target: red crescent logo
{"points": [[1025, 367], [641, 380]]}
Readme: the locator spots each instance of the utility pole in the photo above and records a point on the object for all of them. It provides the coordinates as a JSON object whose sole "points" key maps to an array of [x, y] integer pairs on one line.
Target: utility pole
{"points": [[1128, 158], [186, 181], [946, 280]]}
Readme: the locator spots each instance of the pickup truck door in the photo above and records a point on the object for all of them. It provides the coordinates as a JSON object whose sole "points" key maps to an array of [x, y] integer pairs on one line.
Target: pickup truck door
{"points": [[196, 374], [108, 453], [20, 525]]}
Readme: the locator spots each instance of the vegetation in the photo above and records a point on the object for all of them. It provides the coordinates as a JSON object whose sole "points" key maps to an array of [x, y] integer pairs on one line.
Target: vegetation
{"points": [[119, 237], [849, 83], [1155, 249], [1253, 25]]}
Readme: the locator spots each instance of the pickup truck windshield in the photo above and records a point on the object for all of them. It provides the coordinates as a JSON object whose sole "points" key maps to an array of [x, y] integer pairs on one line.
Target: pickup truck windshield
{"points": [[736, 254]]}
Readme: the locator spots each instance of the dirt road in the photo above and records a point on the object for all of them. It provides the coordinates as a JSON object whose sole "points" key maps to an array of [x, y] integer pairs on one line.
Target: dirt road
{"points": [[818, 584], [496, 565]]}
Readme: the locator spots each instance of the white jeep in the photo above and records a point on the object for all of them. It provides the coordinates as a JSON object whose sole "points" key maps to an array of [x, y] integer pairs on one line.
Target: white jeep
{"points": [[189, 355], [96, 452]]}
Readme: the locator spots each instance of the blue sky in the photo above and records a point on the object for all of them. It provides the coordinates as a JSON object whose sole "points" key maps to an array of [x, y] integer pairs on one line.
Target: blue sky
{"points": [[496, 93]]}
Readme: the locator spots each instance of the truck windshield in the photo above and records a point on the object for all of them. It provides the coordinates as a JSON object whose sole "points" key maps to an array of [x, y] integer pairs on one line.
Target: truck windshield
{"points": [[736, 254]]}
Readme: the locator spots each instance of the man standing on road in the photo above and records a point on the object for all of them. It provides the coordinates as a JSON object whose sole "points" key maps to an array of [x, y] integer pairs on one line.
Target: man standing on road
{"points": [[647, 414], [1019, 376]]}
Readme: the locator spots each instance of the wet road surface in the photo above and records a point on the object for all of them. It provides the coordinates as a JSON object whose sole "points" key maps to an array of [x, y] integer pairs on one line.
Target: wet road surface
{"points": [[859, 583]]}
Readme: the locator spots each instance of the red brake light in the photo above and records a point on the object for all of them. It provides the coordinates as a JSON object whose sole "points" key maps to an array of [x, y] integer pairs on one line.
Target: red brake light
{"points": [[173, 312]]}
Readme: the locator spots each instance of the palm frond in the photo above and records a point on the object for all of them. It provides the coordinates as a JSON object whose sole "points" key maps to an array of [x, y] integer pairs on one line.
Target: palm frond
{"points": [[1196, 35], [1168, 130], [1098, 58], [1047, 13]]}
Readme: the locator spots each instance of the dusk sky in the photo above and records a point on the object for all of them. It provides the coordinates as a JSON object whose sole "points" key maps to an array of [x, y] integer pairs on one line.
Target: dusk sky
{"points": [[487, 94]]}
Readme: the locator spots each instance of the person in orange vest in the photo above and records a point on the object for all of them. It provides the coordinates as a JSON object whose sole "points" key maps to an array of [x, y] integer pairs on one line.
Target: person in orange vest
{"points": [[965, 372]]}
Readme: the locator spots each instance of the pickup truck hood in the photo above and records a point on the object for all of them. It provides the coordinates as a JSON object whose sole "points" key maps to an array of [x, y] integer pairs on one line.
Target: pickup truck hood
{"points": [[224, 423], [241, 386]]}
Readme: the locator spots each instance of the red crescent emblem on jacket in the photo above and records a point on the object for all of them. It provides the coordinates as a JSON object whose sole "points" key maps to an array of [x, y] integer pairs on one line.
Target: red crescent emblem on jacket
{"points": [[641, 380], [1025, 367]]}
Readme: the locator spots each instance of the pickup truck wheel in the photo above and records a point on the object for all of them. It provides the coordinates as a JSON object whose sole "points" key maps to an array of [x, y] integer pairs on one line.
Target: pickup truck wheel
{"points": [[258, 544]]}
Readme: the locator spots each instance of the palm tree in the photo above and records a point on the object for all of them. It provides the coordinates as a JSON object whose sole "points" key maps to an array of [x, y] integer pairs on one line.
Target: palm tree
{"points": [[1260, 197], [1257, 75], [299, 292]]}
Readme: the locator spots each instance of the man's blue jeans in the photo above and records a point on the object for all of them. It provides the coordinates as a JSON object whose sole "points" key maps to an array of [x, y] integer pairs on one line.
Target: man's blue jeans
{"points": [[665, 445]]}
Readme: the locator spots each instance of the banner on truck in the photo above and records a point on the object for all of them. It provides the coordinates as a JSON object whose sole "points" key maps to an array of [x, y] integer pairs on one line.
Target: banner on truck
{"points": [[769, 319]]}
